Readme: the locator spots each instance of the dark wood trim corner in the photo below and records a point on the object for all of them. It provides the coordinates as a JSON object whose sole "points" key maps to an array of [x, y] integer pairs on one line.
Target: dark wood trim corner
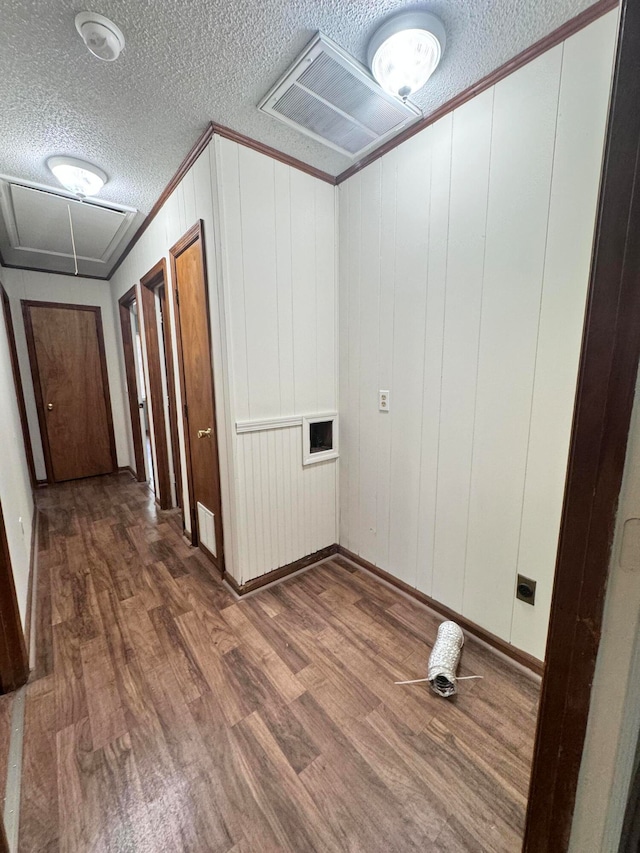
{"points": [[583, 19], [155, 278], [604, 401], [282, 572], [124, 308], [17, 381], [281, 157], [472, 628], [200, 144]]}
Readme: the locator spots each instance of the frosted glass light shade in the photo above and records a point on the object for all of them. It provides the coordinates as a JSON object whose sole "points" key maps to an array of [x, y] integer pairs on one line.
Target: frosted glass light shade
{"points": [[80, 178], [405, 52]]}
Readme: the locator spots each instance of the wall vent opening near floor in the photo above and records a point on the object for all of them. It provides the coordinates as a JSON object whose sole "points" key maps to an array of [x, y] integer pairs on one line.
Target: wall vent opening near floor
{"points": [[207, 529], [328, 95]]}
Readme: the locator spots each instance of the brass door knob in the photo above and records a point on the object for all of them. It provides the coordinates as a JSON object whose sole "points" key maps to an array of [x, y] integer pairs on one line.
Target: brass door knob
{"points": [[49, 406], [204, 433]]}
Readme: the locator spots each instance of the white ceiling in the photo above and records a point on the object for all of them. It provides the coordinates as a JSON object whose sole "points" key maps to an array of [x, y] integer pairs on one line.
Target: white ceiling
{"points": [[186, 63]]}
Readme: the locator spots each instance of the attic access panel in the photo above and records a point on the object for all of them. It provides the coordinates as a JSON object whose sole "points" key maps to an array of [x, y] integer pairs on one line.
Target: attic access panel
{"points": [[37, 221], [328, 95]]}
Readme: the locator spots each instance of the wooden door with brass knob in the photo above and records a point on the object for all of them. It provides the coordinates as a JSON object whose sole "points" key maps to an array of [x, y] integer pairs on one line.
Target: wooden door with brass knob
{"points": [[196, 384], [68, 366]]}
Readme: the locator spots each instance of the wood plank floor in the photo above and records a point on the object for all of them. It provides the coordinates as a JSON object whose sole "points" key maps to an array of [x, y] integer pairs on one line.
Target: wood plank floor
{"points": [[167, 716]]}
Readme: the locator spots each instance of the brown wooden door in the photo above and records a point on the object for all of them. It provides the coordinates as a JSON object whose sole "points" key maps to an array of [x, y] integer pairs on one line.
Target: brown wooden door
{"points": [[66, 350], [194, 345]]}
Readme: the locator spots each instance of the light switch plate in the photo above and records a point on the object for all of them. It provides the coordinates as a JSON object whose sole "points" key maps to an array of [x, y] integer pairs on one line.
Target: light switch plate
{"points": [[383, 401]]}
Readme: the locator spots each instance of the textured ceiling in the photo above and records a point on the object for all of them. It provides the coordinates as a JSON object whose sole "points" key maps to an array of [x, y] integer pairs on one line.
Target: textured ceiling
{"points": [[186, 63]]}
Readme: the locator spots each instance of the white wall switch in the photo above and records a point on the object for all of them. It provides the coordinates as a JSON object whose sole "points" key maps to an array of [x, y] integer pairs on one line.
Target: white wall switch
{"points": [[383, 401]]}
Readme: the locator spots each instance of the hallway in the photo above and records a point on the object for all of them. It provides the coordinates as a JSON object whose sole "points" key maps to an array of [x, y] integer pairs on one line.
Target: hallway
{"points": [[163, 715]]}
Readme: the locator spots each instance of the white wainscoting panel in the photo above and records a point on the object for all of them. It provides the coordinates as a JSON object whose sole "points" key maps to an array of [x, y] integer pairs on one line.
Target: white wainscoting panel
{"points": [[464, 258], [287, 510]]}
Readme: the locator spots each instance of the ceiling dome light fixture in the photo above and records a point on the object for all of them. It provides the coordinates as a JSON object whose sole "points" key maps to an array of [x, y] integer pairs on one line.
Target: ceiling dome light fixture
{"points": [[103, 38], [80, 178], [405, 51]]}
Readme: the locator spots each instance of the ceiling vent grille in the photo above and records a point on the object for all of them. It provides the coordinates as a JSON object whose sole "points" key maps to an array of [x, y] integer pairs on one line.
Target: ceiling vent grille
{"points": [[326, 94]]}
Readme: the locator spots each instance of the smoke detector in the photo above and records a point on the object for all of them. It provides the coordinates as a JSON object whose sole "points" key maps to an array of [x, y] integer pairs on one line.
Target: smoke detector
{"points": [[101, 36]]}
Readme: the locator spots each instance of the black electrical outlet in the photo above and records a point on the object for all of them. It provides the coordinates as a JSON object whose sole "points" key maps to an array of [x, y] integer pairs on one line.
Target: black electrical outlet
{"points": [[526, 590]]}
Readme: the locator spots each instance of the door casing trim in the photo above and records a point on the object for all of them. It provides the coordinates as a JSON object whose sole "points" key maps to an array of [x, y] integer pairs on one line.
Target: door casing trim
{"points": [[27, 304], [196, 232]]}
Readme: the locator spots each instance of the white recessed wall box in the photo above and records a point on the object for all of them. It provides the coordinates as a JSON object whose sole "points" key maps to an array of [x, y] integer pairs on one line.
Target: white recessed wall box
{"points": [[330, 96], [319, 438]]}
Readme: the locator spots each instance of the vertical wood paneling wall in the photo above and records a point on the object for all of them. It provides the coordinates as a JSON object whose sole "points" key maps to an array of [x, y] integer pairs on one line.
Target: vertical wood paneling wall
{"points": [[278, 231], [270, 234], [464, 260]]}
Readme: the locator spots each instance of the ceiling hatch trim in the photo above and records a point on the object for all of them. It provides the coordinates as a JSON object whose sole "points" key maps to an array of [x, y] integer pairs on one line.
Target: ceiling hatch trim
{"points": [[327, 95], [36, 219]]}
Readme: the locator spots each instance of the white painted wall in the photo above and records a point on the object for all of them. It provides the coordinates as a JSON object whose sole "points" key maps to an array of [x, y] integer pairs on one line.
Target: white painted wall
{"points": [[270, 237], [15, 488], [464, 260], [49, 287]]}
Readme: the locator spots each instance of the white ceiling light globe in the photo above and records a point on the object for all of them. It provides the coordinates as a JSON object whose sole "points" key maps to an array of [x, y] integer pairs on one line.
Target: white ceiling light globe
{"points": [[76, 176], [405, 51]]}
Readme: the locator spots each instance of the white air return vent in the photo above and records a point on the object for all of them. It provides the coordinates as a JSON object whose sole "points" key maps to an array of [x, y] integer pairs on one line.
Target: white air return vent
{"points": [[207, 529], [328, 95]]}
